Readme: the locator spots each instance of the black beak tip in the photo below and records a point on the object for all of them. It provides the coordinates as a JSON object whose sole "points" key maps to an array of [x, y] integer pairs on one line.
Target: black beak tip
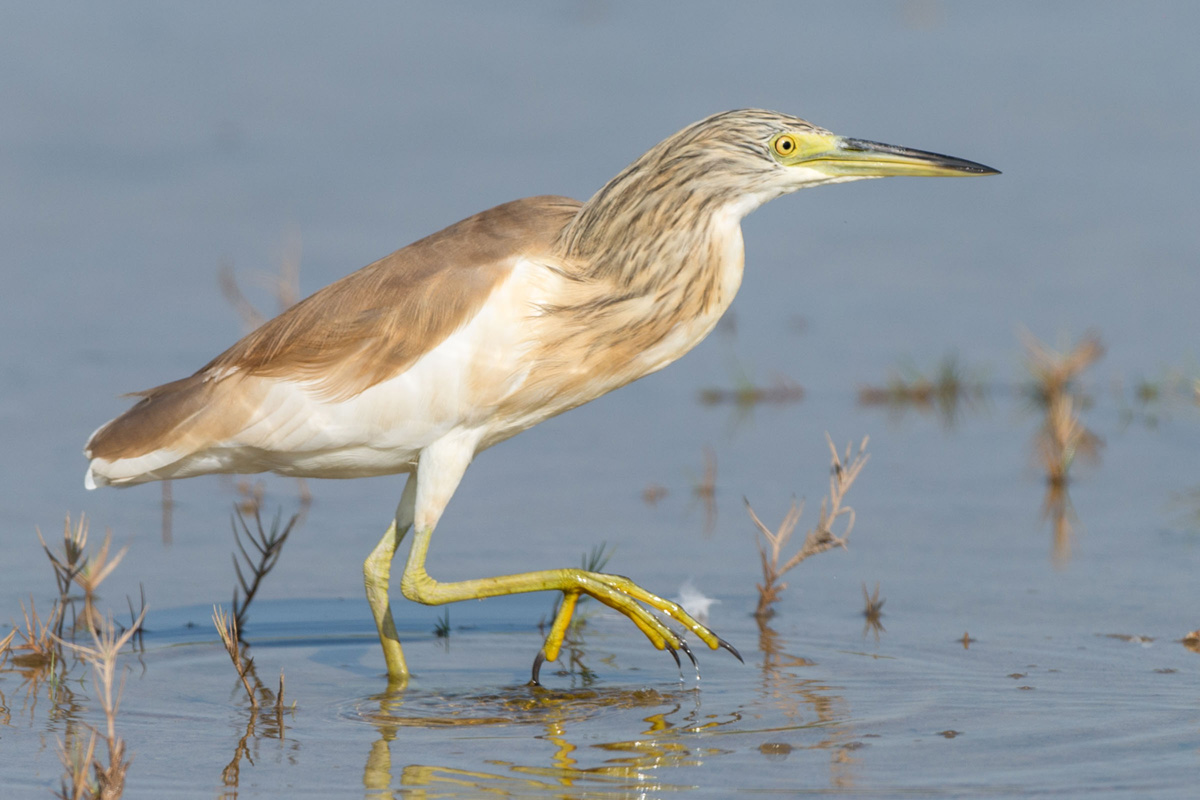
{"points": [[950, 162], [983, 169]]}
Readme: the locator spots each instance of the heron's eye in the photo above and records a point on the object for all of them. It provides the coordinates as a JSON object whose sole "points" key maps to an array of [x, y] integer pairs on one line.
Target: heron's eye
{"points": [[784, 145]]}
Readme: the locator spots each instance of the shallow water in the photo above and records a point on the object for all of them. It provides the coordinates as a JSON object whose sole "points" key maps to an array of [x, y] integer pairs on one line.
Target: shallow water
{"points": [[143, 147]]}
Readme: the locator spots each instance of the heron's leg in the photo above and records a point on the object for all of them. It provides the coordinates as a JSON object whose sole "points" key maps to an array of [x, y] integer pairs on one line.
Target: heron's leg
{"points": [[558, 633], [558, 630], [441, 468], [377, 571]]}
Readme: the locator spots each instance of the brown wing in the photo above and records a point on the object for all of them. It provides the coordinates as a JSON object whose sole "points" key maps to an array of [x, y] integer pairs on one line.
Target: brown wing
{"points": [[354, 333], [375, 323]]}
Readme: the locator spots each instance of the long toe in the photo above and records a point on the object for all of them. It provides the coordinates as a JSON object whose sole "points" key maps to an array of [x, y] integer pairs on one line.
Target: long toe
{"points": [[537, 668]]}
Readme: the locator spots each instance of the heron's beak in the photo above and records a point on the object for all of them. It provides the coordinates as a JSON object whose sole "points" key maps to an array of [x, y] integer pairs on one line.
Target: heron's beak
{"points": [[858, 158]]}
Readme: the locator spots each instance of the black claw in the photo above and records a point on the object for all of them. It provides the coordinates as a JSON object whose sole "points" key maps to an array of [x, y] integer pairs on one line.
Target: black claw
{"points": [[675, 656], [722, 643], [687, 651], [537, 668]]}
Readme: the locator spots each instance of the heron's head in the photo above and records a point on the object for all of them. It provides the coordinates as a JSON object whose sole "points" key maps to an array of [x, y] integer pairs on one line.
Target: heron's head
{"points": [[730, 164], [759, 155]]}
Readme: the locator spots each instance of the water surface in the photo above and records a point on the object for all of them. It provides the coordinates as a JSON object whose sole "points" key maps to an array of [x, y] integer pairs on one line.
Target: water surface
{"points": [[145, 146]]}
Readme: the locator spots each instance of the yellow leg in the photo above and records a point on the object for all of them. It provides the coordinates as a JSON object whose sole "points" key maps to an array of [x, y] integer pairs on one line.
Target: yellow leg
{"points": [[377, 570], [558, 631], [441, 468], [614, 591]]}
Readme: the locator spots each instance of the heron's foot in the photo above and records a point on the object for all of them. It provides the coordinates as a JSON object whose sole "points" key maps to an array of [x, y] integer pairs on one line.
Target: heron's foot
{"points": [[627, 597]]}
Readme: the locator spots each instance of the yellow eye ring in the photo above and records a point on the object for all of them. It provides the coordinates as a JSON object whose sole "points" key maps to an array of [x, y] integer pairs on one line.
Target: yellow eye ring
{"points": [[785, 145]]}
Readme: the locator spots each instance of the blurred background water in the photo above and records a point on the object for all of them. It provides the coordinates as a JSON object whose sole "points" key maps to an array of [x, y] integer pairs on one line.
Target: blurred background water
{"points": [[144, 146]]}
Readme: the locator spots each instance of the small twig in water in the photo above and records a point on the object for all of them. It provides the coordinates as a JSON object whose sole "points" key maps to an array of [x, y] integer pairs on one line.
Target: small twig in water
{"points": [[653, 493], [227, 629], [1063, 437], [873, 611], [279, 703], [441, 628], [92, 573], [596, 559], [137, 636], [268, 545], [68, 566], [818, 540]]}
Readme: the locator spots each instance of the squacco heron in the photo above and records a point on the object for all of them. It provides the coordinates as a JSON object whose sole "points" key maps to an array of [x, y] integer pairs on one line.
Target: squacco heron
{"points": [[417, 363]]}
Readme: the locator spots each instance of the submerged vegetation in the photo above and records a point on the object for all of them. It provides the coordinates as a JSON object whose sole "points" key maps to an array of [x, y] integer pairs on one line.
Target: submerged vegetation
{"points": [[947, 392]]}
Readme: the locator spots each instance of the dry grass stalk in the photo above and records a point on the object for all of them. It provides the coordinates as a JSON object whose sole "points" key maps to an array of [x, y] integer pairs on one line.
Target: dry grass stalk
{"points": [[843, 473], [86, 572], [653, 493], [77, 759], [250, 496], [268, 546], [95, 570], [227, 629], [37, 657], [285, 286], [39, 647], [109, 778], [1063, 438], [251, 316], [747, 395], [1058, 509], [67, 566], [946, 393], [873, 611], [5, 650], [1055, 373], [231, 775], [133, 617]]}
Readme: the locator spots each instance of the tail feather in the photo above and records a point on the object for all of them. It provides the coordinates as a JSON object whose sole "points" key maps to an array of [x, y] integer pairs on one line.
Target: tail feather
{"points": [[169, 423]]}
